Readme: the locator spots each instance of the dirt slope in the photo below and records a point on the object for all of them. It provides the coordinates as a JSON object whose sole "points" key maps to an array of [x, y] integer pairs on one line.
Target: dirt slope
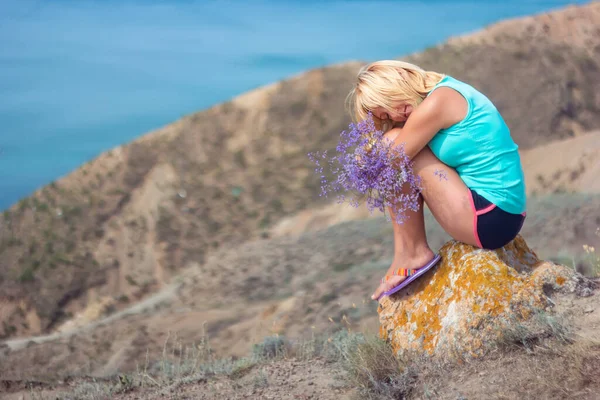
{"points": [[290, 286], [534, 364], [572, 165]]}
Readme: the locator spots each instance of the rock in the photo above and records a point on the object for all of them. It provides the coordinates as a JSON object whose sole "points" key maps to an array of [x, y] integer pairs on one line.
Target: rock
{"points": [[462, 306], [585, 292], [588, 309]]}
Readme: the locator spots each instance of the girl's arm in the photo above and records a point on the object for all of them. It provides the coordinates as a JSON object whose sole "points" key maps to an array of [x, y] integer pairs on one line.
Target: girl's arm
{"points": [[442, 109]]}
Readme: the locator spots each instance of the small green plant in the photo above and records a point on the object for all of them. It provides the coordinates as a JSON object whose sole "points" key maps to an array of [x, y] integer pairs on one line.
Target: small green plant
{"points": [[242, 367], [343, 266], [9, 329], [33, 246], [240, 158], [130, 280], [13, 241], [260, 380], [117, 192], [23, 204], [126, 383], [272, 347], [70, 246], [237, 191], [92, 391], [276, 205], [265, 221], [60, 258], [28, 275], [328, 297]]}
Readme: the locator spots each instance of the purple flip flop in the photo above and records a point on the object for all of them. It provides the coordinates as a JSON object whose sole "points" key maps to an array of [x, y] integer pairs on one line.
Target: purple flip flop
{"points": [[411, 278]]}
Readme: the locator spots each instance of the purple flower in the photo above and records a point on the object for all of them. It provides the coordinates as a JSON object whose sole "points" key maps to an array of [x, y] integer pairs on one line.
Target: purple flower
{"points": [[368, 166]]}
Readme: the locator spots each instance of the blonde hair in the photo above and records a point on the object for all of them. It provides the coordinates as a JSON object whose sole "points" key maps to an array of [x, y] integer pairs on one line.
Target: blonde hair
{"points": [[386, 83]]}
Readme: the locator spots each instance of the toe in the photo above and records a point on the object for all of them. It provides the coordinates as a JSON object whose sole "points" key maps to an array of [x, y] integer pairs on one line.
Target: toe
{"points": [[389, 285], [380, 289]]}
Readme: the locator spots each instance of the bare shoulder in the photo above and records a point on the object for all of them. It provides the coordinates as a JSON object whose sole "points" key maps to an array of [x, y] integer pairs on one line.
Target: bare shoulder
{"points": [[448, 104]]}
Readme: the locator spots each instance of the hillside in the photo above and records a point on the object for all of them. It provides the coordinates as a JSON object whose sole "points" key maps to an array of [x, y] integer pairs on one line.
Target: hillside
{"points": [[289, 286], [574, 166], [122, 226]]}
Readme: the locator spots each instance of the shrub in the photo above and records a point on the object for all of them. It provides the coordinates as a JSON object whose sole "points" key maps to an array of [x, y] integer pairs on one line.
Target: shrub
{"points": [[370, 366], [531, 332], [271, 347], [28, 275]]}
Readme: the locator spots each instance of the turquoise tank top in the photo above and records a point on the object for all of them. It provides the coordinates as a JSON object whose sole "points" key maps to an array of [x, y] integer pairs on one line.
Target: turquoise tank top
{"points": [[482, 151]]}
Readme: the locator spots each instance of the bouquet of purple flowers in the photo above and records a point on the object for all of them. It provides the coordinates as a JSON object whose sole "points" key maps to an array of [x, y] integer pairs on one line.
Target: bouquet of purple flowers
{"points": [[368, 165]]}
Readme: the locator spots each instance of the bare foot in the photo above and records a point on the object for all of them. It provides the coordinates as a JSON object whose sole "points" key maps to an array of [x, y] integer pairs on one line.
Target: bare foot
{"points": [[415, 261]]}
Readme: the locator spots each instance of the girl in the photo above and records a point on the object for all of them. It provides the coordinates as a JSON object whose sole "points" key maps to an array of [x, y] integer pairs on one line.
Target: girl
{"points": [[461, 148]]}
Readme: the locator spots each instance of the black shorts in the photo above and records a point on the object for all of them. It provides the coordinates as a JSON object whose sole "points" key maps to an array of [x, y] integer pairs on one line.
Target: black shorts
{"points": [[493, 227]]}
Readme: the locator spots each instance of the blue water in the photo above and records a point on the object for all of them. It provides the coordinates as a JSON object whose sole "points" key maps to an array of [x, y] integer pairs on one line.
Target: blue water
{"points": [[78, 77]]}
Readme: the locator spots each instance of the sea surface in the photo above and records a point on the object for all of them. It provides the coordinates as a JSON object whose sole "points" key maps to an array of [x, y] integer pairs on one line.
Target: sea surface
{"points": [[78, 77]]}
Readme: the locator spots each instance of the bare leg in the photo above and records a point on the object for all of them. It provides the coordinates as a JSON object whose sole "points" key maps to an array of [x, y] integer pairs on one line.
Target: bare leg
{"points": [[411, 250], [448, 198]]}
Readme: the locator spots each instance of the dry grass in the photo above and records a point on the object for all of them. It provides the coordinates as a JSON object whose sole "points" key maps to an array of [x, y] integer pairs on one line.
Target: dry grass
{"points": [[593, 257], [586, 262], [541, 356], [531, 333], [551, 371], [362, 361], [370, 366]]}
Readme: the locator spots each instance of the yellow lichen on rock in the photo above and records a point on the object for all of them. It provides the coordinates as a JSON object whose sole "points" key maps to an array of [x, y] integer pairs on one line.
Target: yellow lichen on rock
{"points": [[465, 302]]}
